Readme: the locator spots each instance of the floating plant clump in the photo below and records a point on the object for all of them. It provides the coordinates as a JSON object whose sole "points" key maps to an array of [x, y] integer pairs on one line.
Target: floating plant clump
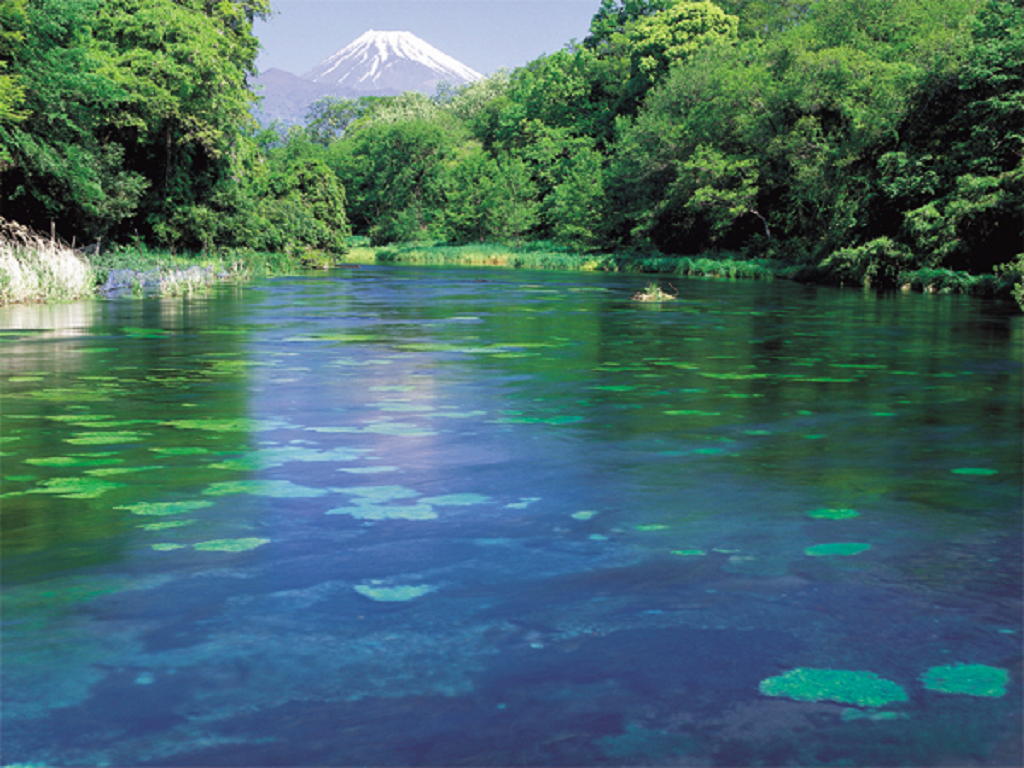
{"points": [[863, 689], [654, 292], [969, 679]]}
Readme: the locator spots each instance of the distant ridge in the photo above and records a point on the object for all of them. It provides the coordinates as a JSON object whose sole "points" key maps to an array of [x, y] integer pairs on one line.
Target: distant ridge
{"points": [[377, 63]]}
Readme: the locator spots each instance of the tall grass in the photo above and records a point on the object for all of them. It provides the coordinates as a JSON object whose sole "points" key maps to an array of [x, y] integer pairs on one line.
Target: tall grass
{"points": [[34, 268], [545, 255]]}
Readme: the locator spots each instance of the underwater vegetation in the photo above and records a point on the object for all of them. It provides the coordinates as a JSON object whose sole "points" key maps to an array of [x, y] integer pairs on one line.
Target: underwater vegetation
{"points": [[865, 689], [403, 516], [969, 679]]}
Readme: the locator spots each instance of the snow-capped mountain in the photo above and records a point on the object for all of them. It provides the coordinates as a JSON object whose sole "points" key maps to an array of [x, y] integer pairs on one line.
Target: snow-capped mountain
{"points": [[377, 63]]}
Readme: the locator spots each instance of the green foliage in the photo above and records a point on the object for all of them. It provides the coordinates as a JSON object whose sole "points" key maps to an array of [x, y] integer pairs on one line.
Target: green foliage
{"points": [[656, 41], [299, 201], [878, 263], [393, 162], [488, 199], [328, 117], [56, 165], [863, 141]]}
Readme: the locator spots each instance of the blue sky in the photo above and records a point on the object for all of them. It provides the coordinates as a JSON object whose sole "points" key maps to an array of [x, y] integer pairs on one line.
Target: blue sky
{"points": [[483, 34]]}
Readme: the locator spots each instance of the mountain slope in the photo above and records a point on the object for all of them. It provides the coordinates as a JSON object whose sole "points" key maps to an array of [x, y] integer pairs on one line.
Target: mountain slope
{"points": [[285, 97]]}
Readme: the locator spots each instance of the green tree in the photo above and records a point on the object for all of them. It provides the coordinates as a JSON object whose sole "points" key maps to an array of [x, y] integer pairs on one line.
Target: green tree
{"points": [[183, 67], [327, 118], [392, 163], [574, 209], [488, 198], [58, 165]]}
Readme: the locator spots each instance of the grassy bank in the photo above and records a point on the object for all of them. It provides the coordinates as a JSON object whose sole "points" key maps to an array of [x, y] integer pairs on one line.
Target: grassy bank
{"points": [[36, 269], [1005, 282], [139, 271], [544, 255]]}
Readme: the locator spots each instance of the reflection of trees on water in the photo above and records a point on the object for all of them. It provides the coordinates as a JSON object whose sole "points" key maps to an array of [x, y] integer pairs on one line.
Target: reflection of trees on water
{"points": [[84, 395]]}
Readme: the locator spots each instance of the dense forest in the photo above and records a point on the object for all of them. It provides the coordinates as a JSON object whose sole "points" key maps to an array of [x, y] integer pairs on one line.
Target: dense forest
{"points": [[856, 139]]}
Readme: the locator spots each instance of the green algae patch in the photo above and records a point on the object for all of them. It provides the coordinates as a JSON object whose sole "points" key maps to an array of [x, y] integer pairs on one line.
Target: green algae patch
{"points": [[275, 489], [76, 487], [650, 527], [850, 714], [691, 412], [857, 687], [240, 464], [585, 514], [456, 500], [837, 548], [397, 594], [187, 450], [164, 508], [230, 545], [833, 514], [212, 425], [145, 333], [975, 471], [381, 493], [106, 438], [398, 429], [374, 470], [369, 511], [354, 338], [689, 552], [274, 457], [523, 503], [968, 679], [74, 461], [166, 525], [165, 547], [552, 420], [108, 471]]}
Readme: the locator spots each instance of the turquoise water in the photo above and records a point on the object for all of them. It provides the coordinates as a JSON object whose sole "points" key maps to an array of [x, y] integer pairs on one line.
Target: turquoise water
{"points": [[398, 516]]}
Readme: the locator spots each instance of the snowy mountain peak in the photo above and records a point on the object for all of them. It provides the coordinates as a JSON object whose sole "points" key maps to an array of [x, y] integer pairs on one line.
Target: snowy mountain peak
{"points": [[390, 61]]}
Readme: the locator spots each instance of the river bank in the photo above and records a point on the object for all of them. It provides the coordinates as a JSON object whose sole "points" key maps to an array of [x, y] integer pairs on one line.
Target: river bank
{"points": [[1007, 283], [35, 269]]}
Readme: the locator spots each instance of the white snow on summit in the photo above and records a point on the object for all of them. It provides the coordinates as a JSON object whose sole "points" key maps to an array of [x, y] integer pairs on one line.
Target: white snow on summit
{"points": [[376, 55]]}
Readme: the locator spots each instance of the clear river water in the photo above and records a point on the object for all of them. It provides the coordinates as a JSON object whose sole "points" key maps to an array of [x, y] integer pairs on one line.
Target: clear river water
{"points": [[437, 517]]}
